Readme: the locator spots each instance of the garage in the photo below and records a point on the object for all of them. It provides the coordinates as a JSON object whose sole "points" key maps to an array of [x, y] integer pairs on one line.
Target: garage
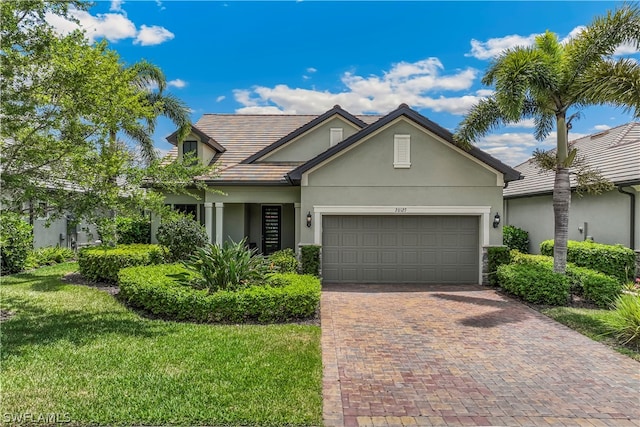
{"points": [[400, 249]]}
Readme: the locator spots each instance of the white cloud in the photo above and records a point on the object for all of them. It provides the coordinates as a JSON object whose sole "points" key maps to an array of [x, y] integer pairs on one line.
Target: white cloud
{"points": [[601, 128], [524, 123], [485, 92], [116, 6], [410, 83], [220, 98], [625, 49], [177, 83], [111, 26], [494, 47], [153, 35], [311, 70]]}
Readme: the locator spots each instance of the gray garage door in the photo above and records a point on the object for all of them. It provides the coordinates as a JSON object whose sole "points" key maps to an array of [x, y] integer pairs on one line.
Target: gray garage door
{"points": [[400, 249]]}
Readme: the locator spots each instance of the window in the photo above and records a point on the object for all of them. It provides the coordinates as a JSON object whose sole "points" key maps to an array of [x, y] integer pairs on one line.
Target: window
{"points": [[336, 136], [187, 210], [401, 151], [190, 147]]}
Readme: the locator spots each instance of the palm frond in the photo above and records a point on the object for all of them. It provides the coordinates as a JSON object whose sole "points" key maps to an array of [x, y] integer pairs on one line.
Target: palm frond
{"points": [[143, 137], [615, 83], [148, 76], [484, 117]]}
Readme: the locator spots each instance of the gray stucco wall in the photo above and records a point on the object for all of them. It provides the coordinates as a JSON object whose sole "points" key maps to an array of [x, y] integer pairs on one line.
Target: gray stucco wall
{"points": [[365, 176], [607, 217], [311, 143]]}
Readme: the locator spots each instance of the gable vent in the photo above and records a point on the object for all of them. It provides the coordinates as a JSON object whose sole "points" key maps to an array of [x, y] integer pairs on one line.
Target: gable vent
{"points": [[401, 151], [335, 136]]}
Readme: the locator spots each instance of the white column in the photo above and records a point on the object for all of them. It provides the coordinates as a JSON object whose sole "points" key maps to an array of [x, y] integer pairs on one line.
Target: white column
{"points": [[296, 219], [219, 212], [208, 220]]}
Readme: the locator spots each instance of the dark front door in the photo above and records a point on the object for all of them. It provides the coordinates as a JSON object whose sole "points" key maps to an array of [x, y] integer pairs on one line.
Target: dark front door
{"points": [[271, 229]]}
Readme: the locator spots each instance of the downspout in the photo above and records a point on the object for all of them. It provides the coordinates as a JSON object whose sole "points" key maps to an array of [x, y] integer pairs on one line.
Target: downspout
{"points": [[632, 219]]}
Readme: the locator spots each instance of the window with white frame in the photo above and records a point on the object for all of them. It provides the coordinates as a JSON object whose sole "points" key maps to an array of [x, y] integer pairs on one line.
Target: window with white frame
{"points": [[401, 151], [336, 136]]}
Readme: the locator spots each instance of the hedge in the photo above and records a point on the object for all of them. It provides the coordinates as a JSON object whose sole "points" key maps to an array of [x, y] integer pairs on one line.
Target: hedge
{"points": [[535, 283], [613, 260], [596, 287], [515, 238], [16, 242], [310, 259], [102, 263], [496, 256], [284, 297]]}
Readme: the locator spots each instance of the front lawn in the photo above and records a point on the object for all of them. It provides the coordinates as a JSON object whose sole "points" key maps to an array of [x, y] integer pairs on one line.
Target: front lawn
{"points": [[590, 322], [77, 352]]}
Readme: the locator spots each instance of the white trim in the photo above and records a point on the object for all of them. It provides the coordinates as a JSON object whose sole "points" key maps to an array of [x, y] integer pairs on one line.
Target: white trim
{"points": [[219, 222], [482, 212]]}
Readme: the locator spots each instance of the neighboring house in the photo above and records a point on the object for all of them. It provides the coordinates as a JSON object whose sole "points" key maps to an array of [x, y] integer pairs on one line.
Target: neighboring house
{"points": [[391, 198], [611, 218], [60, 231]]}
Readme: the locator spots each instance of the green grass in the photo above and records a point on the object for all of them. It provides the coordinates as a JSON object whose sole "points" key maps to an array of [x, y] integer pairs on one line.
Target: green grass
{"points": [[75, 350], [591, 323]]}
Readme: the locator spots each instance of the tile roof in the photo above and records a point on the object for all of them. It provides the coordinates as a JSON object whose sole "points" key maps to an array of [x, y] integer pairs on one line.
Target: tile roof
{"points": [[614, 152], [254, 173]]}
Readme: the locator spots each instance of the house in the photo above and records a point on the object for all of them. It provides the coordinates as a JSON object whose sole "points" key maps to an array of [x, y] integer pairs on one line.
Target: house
{"points": [[611, 218], [389, 198]]}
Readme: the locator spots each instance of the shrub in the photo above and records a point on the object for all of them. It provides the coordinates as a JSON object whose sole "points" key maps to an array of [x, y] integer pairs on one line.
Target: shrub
{"points": [[49, 256], [625, 320], [613, 260], [103, 262], [227, 267], [133, 229], [284, 261], [535, 283], [182, 235], [310, 259], [596, 287], [158, 290], [16, 241], [518, 257], [497, 255], [515, 238]]}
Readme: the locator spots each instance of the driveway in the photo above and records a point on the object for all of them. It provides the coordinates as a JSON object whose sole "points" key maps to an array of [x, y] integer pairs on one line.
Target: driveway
{"points": [[464, 355]]}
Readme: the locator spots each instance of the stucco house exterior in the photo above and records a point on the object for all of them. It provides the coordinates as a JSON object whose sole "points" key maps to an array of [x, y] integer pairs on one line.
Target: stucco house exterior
{"points": [[610, 218], [389, 198]]}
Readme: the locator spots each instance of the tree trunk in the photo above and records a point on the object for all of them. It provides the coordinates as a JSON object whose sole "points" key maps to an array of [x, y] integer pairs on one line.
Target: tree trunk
{"points": [[561, 198]]}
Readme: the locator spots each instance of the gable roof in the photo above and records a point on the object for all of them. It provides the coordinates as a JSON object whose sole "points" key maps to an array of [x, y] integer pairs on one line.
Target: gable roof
{"points": [[336, 110], [614, 152], [206, 139], [509, 173]]}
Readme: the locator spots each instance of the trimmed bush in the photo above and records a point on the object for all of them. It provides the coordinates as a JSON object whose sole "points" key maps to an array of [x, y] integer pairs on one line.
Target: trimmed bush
{"points": [[613, 260], [49, 256], [497, 256], [535, 283], [625, 324], [16, 242], [284, 261], [158, 290], [515, 238], [310, 259], [518, 257], [131, 230], [102, 263], [182, 235], [596, 287]]}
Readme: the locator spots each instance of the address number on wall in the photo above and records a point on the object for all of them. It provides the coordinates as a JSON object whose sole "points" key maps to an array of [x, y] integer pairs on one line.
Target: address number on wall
{"points": [[401, 210]]}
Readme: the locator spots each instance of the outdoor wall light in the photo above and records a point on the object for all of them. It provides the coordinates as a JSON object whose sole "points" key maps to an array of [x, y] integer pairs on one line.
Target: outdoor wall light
{"points": [[309, 219], [496, 220]]}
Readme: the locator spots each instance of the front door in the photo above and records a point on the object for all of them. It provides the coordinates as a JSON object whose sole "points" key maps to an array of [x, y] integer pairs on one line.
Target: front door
{"points": [[271, 229]]}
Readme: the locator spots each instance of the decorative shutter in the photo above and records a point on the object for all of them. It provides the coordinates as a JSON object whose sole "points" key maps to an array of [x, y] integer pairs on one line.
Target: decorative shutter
{"points": [[402, 151]]}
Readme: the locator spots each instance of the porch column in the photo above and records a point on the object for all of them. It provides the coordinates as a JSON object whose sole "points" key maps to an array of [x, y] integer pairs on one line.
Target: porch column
{"points": [[219, 212], [296, 219], [208, 220]]}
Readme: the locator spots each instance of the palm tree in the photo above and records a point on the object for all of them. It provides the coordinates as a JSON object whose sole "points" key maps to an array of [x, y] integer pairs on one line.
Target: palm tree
{"points": [[547, 80], [151, 82]]}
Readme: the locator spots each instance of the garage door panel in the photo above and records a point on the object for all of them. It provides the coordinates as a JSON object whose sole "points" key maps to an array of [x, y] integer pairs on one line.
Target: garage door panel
{"points": [[400, 249]]}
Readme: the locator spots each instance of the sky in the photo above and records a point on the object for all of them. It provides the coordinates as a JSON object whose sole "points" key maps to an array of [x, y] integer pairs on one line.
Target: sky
{"points": [[304, 57]]}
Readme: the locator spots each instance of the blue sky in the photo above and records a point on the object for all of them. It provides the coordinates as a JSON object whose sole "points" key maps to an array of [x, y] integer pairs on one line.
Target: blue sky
{"points": [[306, 56]]}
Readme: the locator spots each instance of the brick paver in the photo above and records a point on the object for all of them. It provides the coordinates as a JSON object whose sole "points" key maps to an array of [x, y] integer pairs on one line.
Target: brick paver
{"points": [[407, 355]]}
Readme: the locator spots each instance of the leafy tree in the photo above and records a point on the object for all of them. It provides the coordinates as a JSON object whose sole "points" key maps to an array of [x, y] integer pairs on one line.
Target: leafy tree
{"points": [[64, 102], [547, 80]]}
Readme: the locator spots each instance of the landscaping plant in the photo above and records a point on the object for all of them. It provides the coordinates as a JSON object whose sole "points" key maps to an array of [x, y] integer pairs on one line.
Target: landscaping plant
{"points": [[284, 261], [231, 266], [104, 262], [625, 323], [515, 238], [16, 241], [49, 256], [183, 236]]}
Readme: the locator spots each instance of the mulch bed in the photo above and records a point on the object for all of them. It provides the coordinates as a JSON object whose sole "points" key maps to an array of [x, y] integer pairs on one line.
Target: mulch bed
{"points": [[76, 278]]}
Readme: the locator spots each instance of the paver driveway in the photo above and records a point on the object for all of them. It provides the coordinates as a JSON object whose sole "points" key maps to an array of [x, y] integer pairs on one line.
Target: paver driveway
{"points": [[464, 355]]}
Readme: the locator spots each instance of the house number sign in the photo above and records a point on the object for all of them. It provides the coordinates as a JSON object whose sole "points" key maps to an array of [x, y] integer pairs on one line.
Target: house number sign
{"points": [[401, 210]]}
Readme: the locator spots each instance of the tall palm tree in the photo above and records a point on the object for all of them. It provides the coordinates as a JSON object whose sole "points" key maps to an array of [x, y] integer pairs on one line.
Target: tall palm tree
{"points": [[151, 82], [547, 80]]}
